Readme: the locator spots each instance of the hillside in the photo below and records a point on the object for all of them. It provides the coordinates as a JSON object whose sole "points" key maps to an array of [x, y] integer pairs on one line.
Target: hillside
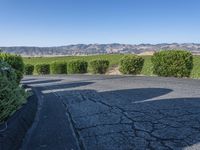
{"points": [[92, 49]]}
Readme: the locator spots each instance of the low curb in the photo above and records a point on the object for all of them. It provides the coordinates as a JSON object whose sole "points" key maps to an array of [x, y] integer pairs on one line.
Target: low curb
{"points": [[13, 131]]}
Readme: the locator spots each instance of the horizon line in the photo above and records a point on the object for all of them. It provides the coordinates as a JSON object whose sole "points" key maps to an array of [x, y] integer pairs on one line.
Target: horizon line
{"points": [[101, 44]]}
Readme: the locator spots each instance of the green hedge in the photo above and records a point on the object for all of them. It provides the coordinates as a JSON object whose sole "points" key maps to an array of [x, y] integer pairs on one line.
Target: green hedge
{"points": [[99, 66], [42, 69], [131, 64], [7, 71], [28, 69], [77, 67], [11, 95], [15, 62], [58, 68], [172, 63]]}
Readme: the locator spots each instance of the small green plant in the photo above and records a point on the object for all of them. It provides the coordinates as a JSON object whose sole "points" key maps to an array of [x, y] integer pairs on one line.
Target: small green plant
{"points": [[131, 64], [99, 66], [11, 95], [42, 69], [29, 69], [77, 67], [16, 62], [172, 63], [58, 68]]}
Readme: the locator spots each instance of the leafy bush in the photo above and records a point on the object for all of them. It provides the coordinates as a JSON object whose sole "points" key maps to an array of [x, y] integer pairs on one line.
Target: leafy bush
{"points": [[172, 63], [58, 68], [77, 66], [131, 64], [7, 71], [99, 66], [42, 69], [29, 69], [15, 62], [11, 95]]}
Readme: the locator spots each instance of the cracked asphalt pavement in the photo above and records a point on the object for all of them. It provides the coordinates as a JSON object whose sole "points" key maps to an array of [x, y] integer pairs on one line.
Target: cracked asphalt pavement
{"points": [[100, 112]]}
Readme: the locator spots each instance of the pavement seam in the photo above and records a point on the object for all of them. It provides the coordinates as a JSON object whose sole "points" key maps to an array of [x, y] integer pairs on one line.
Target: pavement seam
{"points": [[72, 124]]}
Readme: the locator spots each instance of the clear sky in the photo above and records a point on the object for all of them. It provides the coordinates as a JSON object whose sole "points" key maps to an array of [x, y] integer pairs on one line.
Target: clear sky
{"points": [[63, 22]]}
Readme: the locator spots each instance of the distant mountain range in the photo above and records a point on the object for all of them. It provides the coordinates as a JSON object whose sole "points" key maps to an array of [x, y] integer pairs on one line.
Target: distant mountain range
{"points": [[93, 49]]}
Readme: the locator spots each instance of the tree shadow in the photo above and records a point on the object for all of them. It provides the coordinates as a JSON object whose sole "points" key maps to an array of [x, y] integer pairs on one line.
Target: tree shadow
{"points": [[134, 95], [119, 117], [66, 86]]}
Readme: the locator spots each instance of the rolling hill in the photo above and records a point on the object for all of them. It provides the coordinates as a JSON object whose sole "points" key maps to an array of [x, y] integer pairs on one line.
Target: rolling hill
{"points": [[93, 49]]}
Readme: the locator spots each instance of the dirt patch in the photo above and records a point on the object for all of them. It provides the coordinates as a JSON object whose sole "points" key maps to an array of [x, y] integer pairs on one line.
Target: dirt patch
{"points": [[114, 71], [147, 53]]}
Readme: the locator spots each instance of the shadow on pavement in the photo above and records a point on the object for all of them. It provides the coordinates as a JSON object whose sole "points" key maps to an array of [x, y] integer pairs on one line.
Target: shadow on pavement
{"points": [[68, 85], [172, 123], [134, 95]]}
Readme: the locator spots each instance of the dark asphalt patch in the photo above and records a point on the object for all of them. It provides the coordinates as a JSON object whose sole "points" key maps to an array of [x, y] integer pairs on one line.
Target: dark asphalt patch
{"points": [[51, 129], [13, 131]]}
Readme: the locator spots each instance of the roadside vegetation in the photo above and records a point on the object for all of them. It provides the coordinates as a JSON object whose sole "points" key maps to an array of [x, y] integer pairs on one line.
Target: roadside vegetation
{"points": [[175, 63], [12, 95], [99, 66], [77, 66], [58, 67], [42, 69], [16, 62], [114, 61], [28, 70], [131, 64]]}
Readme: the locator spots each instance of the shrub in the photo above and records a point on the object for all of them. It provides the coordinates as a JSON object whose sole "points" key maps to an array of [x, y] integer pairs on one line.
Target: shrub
{"points": [[11, 95], [77, 66], [172, 63], [7, 71], [131, 64], [16, 62], [42, 69], [28, 69], [58, 68], [99, 66]]}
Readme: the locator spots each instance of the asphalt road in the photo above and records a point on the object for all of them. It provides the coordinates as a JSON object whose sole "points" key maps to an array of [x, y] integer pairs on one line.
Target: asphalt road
{"points": [[115, 113]]}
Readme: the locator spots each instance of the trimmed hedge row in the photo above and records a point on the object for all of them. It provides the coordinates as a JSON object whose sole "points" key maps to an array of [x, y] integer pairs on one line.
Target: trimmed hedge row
{"points": [[172, 63], [28, 70], [131, 64], [77, 67], [11, 95], [58, 68], [99, 66], [42, 69], [16, 62], [73, 67], [167, 63]]}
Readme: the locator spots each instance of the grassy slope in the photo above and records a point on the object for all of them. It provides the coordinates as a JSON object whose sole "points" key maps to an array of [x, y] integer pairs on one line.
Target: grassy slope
{"points": [[114, 61], [196, 69]]}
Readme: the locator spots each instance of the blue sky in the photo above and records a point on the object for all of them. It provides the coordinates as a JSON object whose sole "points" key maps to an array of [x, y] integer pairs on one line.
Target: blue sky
{"points": [[63, 22]]}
